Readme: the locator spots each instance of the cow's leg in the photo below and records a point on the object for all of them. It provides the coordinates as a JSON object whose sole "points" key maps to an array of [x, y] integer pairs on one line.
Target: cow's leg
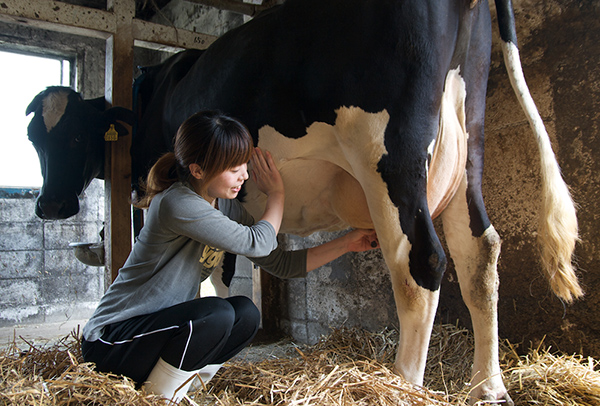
{"points": [[473, 242], [416, 305], [475, 258], [395, 190], [416, 308]]}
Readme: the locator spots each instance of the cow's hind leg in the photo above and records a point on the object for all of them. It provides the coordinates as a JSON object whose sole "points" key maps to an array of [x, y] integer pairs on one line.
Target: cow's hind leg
{"points": [[475, 259]]}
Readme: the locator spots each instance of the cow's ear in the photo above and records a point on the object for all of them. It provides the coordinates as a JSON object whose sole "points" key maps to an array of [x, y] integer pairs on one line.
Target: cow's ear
{"points": [[116, 114], [121, 114], [36, 102]]}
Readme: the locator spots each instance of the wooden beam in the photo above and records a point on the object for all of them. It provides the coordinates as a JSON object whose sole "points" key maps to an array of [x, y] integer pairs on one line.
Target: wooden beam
{"points": [[146, 33], [59, 16], [118, 92], [90, 22], [250, 8]]}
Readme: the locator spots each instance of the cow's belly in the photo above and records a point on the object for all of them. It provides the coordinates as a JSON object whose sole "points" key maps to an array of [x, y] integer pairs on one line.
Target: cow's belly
{"points": [[319, 196]]}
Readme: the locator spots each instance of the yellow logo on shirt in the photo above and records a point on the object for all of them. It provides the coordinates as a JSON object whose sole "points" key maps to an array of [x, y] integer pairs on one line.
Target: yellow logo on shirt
{"points": [[211, 257]]}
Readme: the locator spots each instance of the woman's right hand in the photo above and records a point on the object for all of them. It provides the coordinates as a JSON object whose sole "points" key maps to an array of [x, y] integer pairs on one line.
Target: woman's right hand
{"points": [[268, 180], [265, 174]]}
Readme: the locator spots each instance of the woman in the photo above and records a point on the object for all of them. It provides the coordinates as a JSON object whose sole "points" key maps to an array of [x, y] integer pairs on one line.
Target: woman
{"points": [[149, 325]]}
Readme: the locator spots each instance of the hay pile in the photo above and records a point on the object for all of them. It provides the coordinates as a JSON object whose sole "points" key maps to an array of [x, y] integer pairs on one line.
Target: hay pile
{"points": [[57, 375], [346, 368], [543, 378], [350, 367]]}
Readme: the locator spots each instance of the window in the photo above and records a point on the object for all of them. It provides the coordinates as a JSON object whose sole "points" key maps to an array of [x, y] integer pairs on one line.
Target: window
{"points": [[22, 77]]}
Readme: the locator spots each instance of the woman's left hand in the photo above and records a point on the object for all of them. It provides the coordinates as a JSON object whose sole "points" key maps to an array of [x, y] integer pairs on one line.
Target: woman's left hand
{"points": [[360, 239]]}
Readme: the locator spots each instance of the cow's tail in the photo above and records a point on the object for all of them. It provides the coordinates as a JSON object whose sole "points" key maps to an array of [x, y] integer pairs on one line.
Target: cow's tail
{"points": [[557, 229]]}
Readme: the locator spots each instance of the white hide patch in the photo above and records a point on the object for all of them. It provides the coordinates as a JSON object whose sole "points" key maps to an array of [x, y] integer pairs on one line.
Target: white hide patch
{"points": [[54, 106], [449, 154], [323, 172]]}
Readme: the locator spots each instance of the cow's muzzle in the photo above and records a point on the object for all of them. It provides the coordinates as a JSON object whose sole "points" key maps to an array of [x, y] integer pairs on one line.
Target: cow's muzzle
{"points": [[56, 209]]}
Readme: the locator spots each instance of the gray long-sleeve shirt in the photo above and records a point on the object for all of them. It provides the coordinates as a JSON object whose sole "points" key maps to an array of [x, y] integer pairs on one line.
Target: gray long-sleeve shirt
{"points": [[182, 241]]}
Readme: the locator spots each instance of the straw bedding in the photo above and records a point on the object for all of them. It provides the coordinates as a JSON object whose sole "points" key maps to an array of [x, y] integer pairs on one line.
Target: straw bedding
{"points": [[350, 367]]}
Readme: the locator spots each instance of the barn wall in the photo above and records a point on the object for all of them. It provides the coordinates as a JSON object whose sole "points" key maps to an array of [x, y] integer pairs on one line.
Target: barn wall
{"points": [[198, 18]]}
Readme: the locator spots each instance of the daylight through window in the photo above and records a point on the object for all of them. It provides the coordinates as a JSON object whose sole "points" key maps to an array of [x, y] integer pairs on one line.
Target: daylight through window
{"points": [[22, 77]]}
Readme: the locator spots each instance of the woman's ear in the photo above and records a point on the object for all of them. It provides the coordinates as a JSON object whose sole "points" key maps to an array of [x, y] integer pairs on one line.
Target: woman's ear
{"points": [[196, 171]]}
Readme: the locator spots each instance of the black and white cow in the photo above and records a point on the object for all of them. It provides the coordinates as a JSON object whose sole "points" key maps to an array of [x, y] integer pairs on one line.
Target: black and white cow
{"points": [[374, 111]]}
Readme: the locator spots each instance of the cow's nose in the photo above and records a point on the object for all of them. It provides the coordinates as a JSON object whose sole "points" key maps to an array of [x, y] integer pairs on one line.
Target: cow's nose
{"points": [[56, 209]]}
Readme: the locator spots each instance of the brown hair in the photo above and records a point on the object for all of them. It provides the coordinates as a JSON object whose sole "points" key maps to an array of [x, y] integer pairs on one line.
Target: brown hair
{"points": [[212, 140]]}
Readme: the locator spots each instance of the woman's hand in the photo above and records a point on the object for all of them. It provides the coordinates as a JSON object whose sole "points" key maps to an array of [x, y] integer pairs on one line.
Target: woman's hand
{"points": [[356, 241], [361, 240], [265, 173], [268, 180]]}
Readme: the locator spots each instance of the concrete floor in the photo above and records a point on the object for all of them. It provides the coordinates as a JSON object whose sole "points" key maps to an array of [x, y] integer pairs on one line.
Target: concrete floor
{"points": [[38, 334]]}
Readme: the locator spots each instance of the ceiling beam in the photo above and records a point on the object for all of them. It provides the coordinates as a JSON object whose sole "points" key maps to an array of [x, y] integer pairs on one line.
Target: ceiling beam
{"points": [[59, 16], [242, 7], [91, 22]]}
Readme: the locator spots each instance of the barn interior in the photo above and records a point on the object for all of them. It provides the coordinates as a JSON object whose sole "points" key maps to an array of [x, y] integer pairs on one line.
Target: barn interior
{"points": [[559, 42]]}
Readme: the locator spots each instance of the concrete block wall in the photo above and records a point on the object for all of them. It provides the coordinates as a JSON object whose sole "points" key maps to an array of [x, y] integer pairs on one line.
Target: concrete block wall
{"points": [[40, 277], [352, 291]]}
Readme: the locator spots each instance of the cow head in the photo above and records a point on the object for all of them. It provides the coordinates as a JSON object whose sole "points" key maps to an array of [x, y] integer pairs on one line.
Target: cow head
{"points": [[68, 135]]}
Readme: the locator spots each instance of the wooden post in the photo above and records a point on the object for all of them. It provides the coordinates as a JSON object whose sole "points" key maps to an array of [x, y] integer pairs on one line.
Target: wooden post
{"points": [[118, 92]]}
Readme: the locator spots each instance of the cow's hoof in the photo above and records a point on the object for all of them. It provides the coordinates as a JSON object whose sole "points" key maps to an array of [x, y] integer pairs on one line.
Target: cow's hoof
{"points": [[89, 253], [491, 399]]}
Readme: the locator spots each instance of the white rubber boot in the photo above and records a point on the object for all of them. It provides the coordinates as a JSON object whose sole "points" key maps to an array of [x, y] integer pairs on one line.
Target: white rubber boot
{"points": [[169, 382], [205, 374]]}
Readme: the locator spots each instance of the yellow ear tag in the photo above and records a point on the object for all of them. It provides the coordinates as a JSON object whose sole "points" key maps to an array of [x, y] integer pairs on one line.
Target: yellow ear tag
{"points": [[111, 134]]}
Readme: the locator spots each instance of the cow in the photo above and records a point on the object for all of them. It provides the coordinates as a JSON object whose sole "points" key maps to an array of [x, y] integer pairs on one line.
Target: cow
{"points": [[374, 112]]}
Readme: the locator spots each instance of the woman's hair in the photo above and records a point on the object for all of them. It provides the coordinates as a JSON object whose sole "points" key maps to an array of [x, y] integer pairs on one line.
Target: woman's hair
{"points": [[210, 139]]}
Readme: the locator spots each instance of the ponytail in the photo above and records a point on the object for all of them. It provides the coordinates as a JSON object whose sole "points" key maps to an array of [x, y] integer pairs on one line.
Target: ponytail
{"points": [[161, 176]]}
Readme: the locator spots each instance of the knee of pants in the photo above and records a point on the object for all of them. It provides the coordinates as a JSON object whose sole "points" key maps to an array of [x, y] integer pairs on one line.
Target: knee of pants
{"points": [[246, 311], [222, 316]]}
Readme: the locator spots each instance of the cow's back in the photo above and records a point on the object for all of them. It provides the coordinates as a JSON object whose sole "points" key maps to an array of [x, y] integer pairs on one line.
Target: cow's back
{"points": [[298, 63]]}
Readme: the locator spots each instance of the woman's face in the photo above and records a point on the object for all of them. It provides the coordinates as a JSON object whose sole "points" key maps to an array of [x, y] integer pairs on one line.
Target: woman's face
{"points": [[227, 184]]}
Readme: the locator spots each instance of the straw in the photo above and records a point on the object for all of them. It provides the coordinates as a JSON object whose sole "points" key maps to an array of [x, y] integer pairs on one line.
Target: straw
{"points": [[349, 367]]}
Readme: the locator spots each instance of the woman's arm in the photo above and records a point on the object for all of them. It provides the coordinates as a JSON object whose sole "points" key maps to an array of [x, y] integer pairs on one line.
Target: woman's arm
{"points": [[355, 241], [268, 180], [296, 264]]}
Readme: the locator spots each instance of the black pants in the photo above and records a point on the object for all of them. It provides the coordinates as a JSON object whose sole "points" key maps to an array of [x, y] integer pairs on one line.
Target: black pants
{"points": [[188, 336]]}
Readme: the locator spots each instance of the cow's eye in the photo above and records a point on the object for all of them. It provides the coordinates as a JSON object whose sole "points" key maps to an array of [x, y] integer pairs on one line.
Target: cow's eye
{"points": [[78, 139]]}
